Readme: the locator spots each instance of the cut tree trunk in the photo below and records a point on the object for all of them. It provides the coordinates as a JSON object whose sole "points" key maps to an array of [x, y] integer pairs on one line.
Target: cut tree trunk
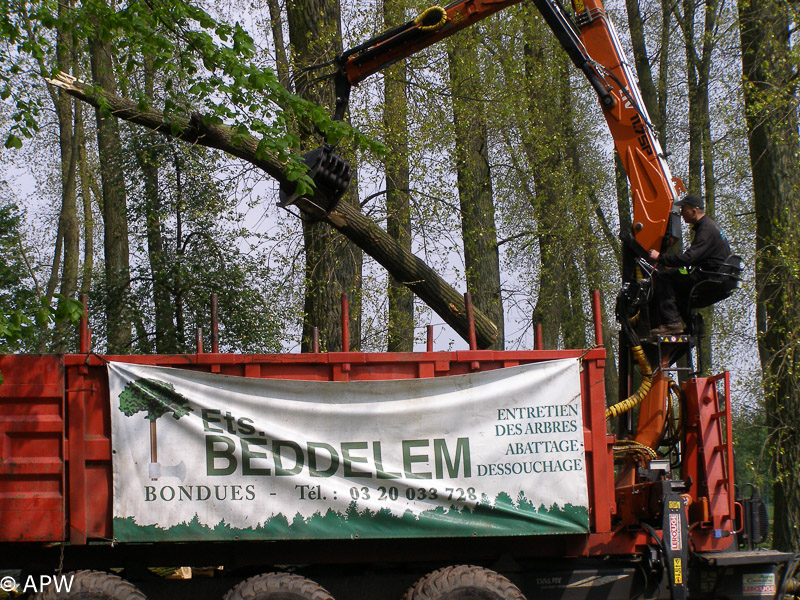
{"points": [[401, 263]]}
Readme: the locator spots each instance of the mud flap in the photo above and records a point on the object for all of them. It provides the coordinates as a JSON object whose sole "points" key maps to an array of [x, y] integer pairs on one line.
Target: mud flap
{"points": [[675, 542]]}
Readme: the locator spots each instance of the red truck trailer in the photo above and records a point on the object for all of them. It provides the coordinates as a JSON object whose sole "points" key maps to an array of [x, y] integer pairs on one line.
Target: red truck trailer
{"points": [[410, 505]]}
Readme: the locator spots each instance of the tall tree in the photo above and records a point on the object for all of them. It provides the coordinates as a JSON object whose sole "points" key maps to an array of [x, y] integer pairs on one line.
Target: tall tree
{"points": [[65, 265], [281, 58], [654, 90], [584, 204], [333, 264], [474, 178], [770, 64], [559, 304], [89, 191], [68, 145], [115, 207], [701, 157], [398, 206], [149, 150]]}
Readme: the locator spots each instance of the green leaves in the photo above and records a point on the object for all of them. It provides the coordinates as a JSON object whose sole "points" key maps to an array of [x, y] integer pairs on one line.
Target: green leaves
{"points": [[68, 310], [15, 324], [13, 141], [11, 325]]}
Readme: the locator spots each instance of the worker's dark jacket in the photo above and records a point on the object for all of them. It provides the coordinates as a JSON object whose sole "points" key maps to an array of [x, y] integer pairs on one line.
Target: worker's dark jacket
{"points": [[708, 250]]}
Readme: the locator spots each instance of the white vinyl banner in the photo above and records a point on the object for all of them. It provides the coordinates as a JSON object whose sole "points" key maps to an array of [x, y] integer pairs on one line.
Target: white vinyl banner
{"points": [[214, 457]]}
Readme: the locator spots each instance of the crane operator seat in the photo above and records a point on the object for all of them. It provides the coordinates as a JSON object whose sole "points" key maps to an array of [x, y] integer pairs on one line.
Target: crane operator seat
{"points": [[718, 282]]}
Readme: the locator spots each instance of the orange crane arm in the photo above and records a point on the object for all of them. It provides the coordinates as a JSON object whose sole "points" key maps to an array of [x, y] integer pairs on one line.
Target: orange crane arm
{"points": [[592, 43]]}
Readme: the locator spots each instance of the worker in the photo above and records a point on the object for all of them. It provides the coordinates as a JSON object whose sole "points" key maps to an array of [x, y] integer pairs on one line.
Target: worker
{"points": [[677, 274]]}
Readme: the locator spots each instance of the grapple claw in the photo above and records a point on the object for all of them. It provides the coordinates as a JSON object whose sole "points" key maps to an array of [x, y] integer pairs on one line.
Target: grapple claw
{"points": [[331, 176]]}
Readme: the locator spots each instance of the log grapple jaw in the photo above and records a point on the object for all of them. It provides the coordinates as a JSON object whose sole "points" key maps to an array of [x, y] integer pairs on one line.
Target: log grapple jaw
{"points": [[331, 176]]}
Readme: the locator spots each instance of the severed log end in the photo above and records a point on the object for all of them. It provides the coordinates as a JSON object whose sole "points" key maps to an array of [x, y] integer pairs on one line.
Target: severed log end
{"points": [[66, 81]]}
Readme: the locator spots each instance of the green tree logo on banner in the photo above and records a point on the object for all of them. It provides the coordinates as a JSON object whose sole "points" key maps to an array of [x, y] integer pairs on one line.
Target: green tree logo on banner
{"points": [[156, 398]]}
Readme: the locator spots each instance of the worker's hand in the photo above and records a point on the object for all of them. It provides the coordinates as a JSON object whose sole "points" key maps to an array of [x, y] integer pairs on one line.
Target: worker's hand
{"points": [[654, 254]]}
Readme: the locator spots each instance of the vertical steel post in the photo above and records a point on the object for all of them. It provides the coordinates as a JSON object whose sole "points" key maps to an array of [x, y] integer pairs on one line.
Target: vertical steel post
{"points": [[199, 338], [345, 323], [84, 326], [598, 318], [315, 340], [473, 343], [430, 338], [214, 324]]}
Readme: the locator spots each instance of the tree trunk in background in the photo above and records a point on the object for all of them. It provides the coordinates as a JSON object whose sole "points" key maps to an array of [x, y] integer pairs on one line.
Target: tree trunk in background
{"points": [[398, 208], [548, 162], [574, 315], [66, 259], [701, 159], [663, 71], [478, 230], [149, 155], [641, 60], [115, 217], [68, 224], [694, 182], [333, 263], [654, 96], [771, 107], [87, 190], [623, 194], [707, 153], [590, 241], [281, 59]]}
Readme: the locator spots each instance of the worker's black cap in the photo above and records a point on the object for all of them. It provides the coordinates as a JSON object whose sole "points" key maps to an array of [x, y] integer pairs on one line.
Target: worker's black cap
{"points": [[692, 200]]}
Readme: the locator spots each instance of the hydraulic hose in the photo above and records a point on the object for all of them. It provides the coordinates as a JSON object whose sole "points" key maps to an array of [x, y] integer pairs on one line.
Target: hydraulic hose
{"points": [[627, 447], [431, 19], [641, 393]]}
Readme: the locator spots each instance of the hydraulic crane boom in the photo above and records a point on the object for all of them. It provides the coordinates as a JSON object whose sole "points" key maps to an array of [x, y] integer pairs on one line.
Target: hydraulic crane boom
{"points": [[590, 40], [593, 46]]}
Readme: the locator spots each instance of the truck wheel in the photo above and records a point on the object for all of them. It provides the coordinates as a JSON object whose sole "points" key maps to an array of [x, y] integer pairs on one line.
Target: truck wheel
{"points": [[463, 582], [278, 586], [90, 585]]}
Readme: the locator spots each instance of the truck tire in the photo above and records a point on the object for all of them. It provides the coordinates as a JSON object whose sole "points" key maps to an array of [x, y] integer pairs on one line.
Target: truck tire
{"points": [[463, 582], [278, 586], [92, 585]]}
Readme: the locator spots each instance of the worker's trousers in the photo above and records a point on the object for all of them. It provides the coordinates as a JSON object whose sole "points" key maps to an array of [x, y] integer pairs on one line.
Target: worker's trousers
{"points": [[673, 290]]}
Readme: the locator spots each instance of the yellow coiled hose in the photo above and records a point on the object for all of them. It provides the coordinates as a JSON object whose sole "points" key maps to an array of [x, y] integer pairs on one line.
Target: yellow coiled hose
{"points": [[427, 15], [625, 448], [639, 395]]}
